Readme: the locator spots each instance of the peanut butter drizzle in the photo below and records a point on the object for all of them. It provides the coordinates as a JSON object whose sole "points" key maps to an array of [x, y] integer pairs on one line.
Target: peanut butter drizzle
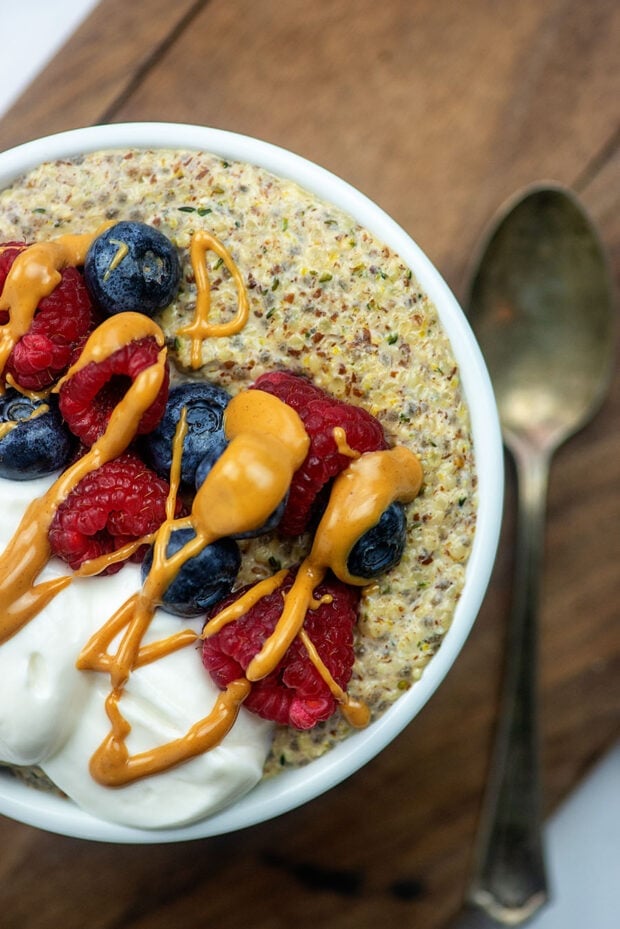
{"points": [[33, 275], [7, 427], [113, 766], [356, 712], [200, 328], [28, 551], [31, 394], [340, 438], [244, 603], [122, 250], [95, 566]]}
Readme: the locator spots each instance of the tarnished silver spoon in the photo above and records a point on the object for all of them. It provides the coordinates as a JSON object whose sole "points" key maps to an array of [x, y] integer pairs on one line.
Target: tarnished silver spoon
{"points": [[542, 308]]}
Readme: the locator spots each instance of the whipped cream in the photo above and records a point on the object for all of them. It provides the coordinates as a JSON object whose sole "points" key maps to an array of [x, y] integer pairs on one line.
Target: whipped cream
{"points": [[53, 715]]}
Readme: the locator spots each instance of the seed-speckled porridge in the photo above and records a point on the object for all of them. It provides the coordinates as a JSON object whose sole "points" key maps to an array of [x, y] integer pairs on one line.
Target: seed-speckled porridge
{"points": [[328, 301]]}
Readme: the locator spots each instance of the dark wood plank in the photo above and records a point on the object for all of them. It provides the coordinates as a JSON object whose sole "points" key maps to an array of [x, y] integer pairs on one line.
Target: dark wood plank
{"points": [[438, 112]]}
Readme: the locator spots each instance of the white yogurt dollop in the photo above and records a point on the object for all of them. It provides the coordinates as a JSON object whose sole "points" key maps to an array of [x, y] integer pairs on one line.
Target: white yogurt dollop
{"points": [[53, 715]]}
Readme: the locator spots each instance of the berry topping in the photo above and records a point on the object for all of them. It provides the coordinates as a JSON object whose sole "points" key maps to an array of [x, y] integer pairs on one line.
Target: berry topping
{"points": [[132, 266], [382, 546], [112, 506], [202, 580], [294, 693], [321, 415], [61, 323], [34, 441], [204, 405], [87, 398]]}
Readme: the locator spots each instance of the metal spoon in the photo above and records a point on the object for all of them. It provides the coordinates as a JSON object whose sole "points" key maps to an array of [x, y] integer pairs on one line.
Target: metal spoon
{"points": [[541, 306]]}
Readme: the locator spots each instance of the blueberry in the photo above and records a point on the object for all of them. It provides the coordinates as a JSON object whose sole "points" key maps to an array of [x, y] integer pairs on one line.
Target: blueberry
{"points": [[214, 447], [36, 441], [132, 266], [382, 546], [205, 405], [203, 580]]}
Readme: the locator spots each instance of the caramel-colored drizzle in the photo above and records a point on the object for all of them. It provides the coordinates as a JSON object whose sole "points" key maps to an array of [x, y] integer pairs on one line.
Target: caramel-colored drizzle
{"points": [[340, 438], [113, 766], [31, 394], [200, 328], [95, 566], [356, 712], [122, 250]]}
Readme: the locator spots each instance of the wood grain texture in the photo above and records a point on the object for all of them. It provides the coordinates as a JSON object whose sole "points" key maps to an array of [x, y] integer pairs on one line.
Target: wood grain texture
{"points": [[438, 111]]}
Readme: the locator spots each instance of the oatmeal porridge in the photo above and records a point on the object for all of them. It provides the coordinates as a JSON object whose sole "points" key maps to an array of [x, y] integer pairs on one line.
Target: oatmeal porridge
{"points": [[328, 303]]}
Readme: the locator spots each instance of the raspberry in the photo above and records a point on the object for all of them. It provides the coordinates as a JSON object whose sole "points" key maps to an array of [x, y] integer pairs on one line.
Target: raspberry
{"points": [[320, 414], [8, 253], [61, 323], [87, 398], [113, 505], [294, 693]]}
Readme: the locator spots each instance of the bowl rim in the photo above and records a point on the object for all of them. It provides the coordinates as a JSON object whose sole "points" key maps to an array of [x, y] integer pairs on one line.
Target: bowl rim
{"points": [[298, 786]]}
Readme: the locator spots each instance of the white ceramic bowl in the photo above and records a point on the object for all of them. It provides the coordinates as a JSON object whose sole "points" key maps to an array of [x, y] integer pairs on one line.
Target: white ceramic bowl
{"points": [[292, 788]]}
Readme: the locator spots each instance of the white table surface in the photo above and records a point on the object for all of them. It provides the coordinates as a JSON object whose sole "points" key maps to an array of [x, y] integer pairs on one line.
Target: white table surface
{"points": [[33, 31]]}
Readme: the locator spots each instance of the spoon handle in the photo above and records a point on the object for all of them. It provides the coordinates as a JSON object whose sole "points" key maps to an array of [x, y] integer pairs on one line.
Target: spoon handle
{"points": [[509, 882]]}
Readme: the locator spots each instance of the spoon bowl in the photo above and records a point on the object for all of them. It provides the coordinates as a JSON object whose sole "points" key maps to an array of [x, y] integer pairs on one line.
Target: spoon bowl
{"points": [[541, 306]]}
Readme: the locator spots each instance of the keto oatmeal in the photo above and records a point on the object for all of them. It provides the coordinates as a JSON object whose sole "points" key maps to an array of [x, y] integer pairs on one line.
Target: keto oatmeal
{"points": [[325, 301]]}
